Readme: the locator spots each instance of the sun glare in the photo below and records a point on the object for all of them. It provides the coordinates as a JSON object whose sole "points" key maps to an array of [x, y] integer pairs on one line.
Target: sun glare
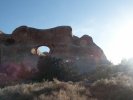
{"points": [[121, 46]]}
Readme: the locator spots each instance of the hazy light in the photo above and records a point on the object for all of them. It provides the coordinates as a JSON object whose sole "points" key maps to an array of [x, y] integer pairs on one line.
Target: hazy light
{"points": [[120, 47]]}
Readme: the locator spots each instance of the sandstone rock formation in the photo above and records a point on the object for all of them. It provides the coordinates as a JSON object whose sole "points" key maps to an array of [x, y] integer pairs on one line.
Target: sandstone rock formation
{"points": [[20, 48]]}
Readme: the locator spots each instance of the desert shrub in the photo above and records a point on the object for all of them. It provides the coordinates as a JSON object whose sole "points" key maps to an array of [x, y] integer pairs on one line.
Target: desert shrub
{"points": [[110, 70], [50, 67], [115, 88], [101, 72]]}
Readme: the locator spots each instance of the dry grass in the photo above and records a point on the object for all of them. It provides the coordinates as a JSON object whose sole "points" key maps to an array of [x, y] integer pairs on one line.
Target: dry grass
{"points": [[115, 88], [54, 90]]}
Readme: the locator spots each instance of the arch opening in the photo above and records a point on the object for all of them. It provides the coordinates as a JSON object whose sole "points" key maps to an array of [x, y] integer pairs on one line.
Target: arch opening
{"points": [[43, 50]]}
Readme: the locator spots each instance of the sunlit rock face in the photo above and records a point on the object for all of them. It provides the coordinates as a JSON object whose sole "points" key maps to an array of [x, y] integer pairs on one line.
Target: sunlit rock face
{"points": [[19, 50]]}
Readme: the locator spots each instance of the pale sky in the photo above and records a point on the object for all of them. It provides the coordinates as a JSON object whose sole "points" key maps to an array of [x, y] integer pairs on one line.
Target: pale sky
{"points": [[109, 22]]}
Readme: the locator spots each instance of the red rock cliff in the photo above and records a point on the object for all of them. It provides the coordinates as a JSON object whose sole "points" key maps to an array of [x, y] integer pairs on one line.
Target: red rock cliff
{"points": [[15, 48]]}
